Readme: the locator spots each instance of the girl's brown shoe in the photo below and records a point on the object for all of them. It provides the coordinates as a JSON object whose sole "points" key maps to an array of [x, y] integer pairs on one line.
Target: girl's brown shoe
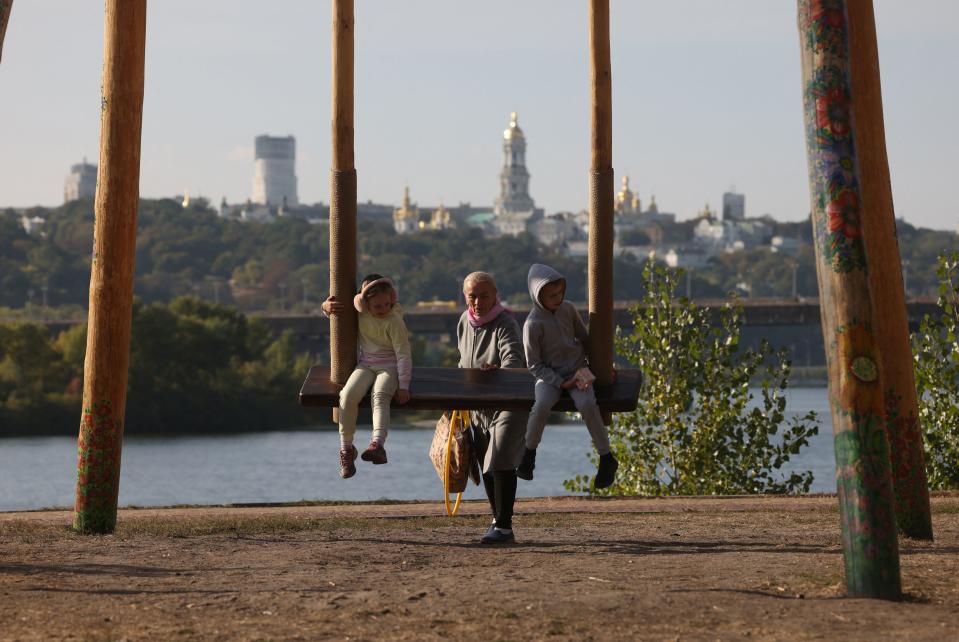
{"points": [[374, 453], [347, 457]]}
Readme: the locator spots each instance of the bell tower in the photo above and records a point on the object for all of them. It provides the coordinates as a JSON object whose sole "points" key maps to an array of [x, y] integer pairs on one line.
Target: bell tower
{"points": [[514, 195]]}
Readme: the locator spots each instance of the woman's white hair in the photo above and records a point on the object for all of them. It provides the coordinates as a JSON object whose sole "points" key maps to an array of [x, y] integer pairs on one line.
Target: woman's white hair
{"points": [[479, 277]]}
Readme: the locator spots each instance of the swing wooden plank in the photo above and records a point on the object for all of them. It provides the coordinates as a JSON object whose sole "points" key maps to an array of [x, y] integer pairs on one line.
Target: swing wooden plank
{"points": [[474, 389]]}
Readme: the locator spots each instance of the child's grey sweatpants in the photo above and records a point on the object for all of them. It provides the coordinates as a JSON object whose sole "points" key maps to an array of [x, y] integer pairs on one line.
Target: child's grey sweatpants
{"points": [[585, 400]]}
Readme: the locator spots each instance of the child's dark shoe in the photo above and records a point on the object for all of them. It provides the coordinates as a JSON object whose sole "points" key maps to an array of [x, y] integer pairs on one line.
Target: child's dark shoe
{"points": [[489, 531], [499, 536], [606, 473], [347, 457], [525, 470], [374, 453]]}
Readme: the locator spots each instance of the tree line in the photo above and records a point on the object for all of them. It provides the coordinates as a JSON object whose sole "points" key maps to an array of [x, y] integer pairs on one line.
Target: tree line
{"points": [[195, 367], [285, 264]]}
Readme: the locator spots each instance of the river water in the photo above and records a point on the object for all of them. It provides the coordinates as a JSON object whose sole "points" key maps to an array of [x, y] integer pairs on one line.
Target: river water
{"points": [[40, 472]]}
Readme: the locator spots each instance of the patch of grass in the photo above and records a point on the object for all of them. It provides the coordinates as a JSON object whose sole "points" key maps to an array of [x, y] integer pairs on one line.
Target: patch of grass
{"points": [[945, 508], [821, 579], [28, 529], [272, 525], [132, 527], [290, 524]]}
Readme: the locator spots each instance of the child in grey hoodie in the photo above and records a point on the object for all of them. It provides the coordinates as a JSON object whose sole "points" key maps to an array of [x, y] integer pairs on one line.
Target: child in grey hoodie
{"points": [[555, 337]]}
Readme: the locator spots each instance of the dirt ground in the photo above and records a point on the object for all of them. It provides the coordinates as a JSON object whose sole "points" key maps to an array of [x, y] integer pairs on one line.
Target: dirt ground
{"points": [[633, 569]]}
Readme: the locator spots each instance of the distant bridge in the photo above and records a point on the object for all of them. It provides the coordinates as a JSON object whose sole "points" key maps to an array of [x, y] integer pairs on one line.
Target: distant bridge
{"points": [[756, 313], [793, 324]]}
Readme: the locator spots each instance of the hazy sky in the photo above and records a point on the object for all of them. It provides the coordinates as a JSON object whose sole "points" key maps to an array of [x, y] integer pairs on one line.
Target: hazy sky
{"points": [[706, 96]]}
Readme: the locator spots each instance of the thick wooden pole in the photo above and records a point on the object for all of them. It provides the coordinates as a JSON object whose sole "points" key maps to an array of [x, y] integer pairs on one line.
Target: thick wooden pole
{"points": [[111, 274], [343, 197], [870, 546], [885, 278], [600, 257], [5, 7]]}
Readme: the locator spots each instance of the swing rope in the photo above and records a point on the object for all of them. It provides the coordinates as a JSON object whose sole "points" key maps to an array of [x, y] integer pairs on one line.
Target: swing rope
{"points": [[461, 416]]}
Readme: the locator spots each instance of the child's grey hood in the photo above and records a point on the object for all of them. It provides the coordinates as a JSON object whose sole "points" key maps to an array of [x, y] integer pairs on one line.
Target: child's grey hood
{"points": [[540, 275]]}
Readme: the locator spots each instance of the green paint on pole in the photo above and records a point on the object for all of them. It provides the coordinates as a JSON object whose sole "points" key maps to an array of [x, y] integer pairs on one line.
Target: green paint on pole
{"points": [[864, 482], [98, 469]]}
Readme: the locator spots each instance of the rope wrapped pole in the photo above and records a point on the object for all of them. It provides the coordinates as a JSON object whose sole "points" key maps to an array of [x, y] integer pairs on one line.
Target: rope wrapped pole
{"points": [[885, 278], [869, 539], [6, 6], [343, 198], [111, 275], [600, 257]]}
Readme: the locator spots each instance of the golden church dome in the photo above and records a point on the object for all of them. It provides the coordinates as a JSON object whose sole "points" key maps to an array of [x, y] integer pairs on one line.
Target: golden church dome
{"points": [[406, 211], [625, 195], [513, 131]]}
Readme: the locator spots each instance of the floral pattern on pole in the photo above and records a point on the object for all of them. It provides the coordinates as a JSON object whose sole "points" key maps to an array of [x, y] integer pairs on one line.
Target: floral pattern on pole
{"points": [[828, 123], [98, 468], [864, 484]]}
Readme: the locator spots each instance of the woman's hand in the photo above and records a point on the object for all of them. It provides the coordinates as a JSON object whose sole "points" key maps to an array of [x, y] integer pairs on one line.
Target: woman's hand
{"points": [[331, 306], [569, 384], [489, 366], [401, 397]]}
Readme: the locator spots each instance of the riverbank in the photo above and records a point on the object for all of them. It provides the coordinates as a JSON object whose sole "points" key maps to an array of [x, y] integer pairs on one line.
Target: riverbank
{"points": [[276, 467], [762, 568]]}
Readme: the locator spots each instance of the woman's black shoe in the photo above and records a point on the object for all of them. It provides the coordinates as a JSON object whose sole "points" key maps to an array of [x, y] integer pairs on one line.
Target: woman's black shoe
{"points": [[498, 536], [606, 474]]}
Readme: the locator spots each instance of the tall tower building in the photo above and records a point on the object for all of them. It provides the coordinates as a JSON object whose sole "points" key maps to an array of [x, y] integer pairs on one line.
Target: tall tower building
{"points": [[274, 171], [734, 206], [514, 207], [81, 182]]}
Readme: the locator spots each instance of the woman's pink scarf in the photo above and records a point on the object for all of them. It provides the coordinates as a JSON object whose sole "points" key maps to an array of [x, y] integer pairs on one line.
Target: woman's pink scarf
{"points": [[494, 312]]}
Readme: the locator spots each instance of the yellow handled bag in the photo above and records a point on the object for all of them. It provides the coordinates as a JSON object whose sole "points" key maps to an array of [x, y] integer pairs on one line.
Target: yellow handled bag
{"points": [[451, 454]]}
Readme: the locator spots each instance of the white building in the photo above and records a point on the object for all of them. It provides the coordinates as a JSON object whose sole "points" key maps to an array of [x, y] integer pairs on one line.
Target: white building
{"points": [[274, 171], [555, 229], [786, 245], [688, 258], [730, 235], [257, 213], [32, 225]]}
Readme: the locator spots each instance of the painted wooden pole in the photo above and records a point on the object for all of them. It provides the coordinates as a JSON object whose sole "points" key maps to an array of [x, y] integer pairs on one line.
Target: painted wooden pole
{"points": [[600, 250], [885, 278], [5, 7], [111, 274], [343, 198], [870, 546]]}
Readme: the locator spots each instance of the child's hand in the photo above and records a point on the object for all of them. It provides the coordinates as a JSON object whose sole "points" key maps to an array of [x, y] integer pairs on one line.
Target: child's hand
{"points": [[489, 366], [331, 306], [402, 396], [584, 378], [569, 384]]}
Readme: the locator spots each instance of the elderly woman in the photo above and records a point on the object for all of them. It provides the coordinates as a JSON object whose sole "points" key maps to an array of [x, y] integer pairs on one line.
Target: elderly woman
{"points": [[488, 337]]}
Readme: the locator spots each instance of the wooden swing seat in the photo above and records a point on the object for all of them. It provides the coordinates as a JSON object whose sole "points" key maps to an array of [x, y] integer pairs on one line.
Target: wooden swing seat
{"points": [[474, 389]]}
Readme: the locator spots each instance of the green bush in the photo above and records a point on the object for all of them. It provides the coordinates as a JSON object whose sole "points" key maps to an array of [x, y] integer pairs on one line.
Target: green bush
{"points": [[936, 355], [195, 367], [693, 432]]}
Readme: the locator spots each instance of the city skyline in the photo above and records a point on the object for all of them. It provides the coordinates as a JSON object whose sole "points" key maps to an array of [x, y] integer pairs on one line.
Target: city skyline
{"points": [[705, 98]]}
